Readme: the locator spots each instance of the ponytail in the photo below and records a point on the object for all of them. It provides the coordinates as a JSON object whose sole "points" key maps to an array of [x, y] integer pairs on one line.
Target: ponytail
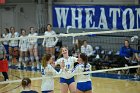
{"points": [[45, 59], [84, 58], [85, 64], [25, 82], [60, 53]]}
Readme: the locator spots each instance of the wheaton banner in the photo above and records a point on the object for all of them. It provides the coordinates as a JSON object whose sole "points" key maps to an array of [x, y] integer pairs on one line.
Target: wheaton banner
{"points": [[96, 17]]}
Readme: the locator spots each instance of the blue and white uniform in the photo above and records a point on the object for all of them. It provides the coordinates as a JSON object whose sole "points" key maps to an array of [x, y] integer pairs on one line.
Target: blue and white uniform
{"points": [[50, 41], [6, 43], [83, 80], [14, 43], [23, 43], [69, 65], [48, 83], [32, 41], [6, 36]]}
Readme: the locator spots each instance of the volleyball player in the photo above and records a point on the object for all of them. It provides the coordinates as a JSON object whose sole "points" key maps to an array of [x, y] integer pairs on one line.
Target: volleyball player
{"points": [[26, 84], [50, 42], [23, 45], [6, 35], [13, 45], [67, 82], [33, 47], [84, 84], [47, 70]]}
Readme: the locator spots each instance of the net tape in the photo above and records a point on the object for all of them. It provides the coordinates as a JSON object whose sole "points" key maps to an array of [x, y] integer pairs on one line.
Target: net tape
{"points": [[73, 34], [61, 75]]}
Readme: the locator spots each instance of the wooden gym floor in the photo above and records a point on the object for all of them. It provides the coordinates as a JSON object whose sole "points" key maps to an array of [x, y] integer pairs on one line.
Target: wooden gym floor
{"points": [[100, 85]]}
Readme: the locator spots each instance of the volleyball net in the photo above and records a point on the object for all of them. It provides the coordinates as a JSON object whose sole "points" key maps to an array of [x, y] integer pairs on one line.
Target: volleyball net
{"points": [[105, 44]]}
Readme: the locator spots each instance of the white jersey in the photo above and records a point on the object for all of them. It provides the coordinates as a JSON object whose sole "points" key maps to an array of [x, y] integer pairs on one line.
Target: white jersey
{"points": [[88, 50], [69, 65], [32, 40], [6, 36], [48, 83], [23, 43], [14, 42], [82, 77], [50, 41]]}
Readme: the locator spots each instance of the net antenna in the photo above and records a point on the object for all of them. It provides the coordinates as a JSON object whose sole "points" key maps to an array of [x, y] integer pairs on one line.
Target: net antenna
{"points": [[69, 27]]}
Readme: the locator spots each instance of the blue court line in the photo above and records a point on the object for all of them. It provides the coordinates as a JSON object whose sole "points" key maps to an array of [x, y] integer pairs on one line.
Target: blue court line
{"points": [[116, 76]]}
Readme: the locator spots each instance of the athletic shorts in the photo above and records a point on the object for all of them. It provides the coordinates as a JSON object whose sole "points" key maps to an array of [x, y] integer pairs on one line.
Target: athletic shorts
{"points": [[47, 91], [23, 49], [31, 46], [84, 86], [67, 81], [14, 46]]}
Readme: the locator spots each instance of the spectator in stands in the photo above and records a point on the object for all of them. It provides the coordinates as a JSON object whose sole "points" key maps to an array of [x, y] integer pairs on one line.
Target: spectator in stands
{"points": [[127, 55], [87, 49], [26, 84], [127, 52]]}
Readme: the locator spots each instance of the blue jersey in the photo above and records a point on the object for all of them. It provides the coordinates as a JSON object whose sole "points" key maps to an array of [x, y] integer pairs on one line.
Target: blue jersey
{"points": [[127, 52]]}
